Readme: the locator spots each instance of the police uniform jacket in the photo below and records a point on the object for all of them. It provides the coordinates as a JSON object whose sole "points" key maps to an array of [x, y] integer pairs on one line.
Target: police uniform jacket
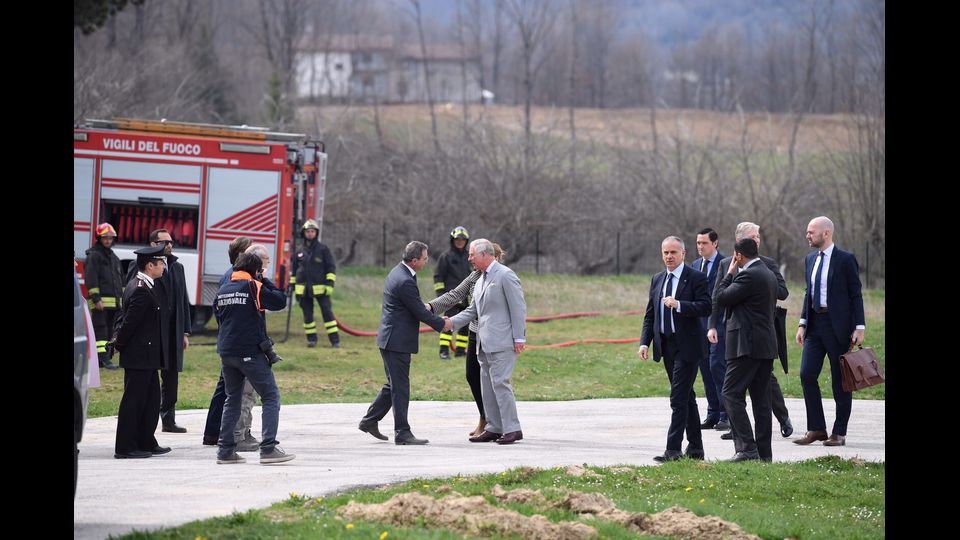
{"points": [[237, 308], [142, 331]]}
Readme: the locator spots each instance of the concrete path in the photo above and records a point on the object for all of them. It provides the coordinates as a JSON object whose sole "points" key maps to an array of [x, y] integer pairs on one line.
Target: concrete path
{"points": [[117, 496]]}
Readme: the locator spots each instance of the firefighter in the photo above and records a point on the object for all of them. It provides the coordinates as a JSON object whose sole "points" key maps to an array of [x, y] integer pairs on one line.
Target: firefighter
{"points": [[103, 276], [313, 276], [452, 268]]}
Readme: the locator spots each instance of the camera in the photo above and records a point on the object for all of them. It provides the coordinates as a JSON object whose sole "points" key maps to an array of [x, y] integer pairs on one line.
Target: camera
{"points": [[266, 346]]}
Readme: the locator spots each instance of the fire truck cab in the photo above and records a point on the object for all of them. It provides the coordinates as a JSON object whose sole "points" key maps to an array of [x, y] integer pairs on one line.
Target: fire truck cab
{"points": [[205, 184]]}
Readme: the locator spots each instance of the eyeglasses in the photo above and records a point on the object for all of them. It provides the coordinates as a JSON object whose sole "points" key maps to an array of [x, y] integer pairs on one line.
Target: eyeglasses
{"points": [[163, 242]]}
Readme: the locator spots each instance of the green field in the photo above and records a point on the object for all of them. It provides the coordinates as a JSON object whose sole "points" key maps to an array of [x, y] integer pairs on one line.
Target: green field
{"points": [[354, 373]]}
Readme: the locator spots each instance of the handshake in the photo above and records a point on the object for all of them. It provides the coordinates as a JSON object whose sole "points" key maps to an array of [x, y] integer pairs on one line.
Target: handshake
{"points": [[447, 324]]}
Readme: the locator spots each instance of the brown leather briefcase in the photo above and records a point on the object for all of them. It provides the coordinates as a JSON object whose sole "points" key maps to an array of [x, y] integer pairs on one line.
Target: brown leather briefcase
{"points": [[860, 369]]}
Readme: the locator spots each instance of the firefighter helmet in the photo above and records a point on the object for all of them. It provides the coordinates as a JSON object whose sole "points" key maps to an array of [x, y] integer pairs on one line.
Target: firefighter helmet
{"points": [[105, 229], [460, 232], [309, 224]]}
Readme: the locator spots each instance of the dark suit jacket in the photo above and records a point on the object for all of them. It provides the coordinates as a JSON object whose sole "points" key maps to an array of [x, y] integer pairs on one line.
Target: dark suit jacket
{"points": [[694, 299], [782, 293], [141, 335], [711, 281], [714, 272], [402, 312], [750, 300], [844, 296]]}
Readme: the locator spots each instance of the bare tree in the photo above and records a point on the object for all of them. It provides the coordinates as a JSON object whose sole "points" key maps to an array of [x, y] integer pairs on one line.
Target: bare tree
{"points": [[426, 74], [534, 19]]}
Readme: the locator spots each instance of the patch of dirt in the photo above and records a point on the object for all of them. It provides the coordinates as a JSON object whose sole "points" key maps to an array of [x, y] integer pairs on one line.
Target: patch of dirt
{"points": [[522, 496], [469, 515], [577, 470], [475, 516], [674, 521]]}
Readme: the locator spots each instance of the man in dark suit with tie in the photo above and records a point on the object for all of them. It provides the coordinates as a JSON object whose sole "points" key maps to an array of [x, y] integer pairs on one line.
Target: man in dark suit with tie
{"points": [[747, 229], [708, 263], [831, 322], [398, 337], [678, 298], [750, 300]]}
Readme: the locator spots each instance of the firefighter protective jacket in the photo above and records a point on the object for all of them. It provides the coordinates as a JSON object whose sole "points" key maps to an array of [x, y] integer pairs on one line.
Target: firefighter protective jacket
{"points": [[103, 277], [314, 270], [452, 268]]}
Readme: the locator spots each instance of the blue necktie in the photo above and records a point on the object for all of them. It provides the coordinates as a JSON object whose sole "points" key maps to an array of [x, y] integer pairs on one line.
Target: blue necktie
{"points": [[816, 284], [667, 312]]}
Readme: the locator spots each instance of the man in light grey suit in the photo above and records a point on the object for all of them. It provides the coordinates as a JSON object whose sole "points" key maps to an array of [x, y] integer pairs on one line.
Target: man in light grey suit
{"points": [[501, 312]]}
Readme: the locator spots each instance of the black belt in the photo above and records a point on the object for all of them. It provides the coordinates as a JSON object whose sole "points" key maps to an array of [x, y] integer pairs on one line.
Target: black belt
{"points": [[820, 310]]}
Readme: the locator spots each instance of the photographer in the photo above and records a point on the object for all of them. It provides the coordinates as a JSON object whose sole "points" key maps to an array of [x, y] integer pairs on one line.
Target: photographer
{"points": [[246, 352]]}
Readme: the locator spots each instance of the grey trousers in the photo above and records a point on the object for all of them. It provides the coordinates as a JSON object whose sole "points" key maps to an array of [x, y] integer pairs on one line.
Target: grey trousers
{"points": [[246, 412], [499, 402]]}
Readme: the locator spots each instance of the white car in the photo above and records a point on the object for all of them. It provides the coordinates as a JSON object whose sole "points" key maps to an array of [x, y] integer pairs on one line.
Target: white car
{"points": [[84, 351]]}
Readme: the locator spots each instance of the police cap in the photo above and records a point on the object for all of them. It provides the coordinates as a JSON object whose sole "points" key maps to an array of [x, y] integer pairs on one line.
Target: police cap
{"points": [[151, 252]]}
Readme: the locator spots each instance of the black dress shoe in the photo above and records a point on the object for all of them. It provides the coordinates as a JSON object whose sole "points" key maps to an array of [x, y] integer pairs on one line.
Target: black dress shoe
{"points": [[745, 456], [136, 454], [668, 455], [173, 428], [722, 425], [409, 439], [709, 423], [786, 428], [486, 436], [157, 450], [510, 438], [694, 453], [728, 436], [373, 430]]}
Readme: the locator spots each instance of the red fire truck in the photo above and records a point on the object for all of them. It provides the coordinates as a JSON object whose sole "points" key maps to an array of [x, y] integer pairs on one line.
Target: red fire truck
{"points": [[206, 184]]}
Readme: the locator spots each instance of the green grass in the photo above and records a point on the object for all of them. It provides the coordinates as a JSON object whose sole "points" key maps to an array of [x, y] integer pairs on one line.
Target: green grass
{"points": [[354, 373], [823, 498]]}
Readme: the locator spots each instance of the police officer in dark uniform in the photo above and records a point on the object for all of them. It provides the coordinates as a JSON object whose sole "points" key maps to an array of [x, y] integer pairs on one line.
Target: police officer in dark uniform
{"points": [[313, 275], [142, 337], [103, 277], [452, 268]]}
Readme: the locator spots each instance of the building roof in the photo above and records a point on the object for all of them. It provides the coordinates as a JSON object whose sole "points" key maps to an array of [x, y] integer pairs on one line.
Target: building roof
{"points": [[435, 51], [345, 42]]}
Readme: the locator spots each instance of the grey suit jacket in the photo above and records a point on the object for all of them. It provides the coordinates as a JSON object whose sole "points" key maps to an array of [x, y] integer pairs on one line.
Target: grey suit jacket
{"points": [[500, 309], [750, 300]]}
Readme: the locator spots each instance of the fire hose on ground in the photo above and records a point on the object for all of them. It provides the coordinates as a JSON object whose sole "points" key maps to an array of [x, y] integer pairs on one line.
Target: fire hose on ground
{"points": [[547, 318]]}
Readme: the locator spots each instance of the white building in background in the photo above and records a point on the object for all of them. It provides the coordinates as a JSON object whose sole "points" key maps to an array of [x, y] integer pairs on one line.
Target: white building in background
{"points": [[365, 68]]}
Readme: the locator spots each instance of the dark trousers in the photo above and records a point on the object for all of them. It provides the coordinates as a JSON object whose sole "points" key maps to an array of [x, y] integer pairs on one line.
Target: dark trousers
{"points": [[211, 429], [820, 341], [326, 311], [257, 370], [718, 366], [745, 373], [683, 400], [103, 322], [395, 392], [776, 400], [139, 407], [473, 371], [169, 380]]}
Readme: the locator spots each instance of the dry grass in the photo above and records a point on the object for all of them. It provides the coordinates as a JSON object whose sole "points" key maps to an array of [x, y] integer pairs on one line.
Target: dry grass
{"points": [[623, 127]]}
